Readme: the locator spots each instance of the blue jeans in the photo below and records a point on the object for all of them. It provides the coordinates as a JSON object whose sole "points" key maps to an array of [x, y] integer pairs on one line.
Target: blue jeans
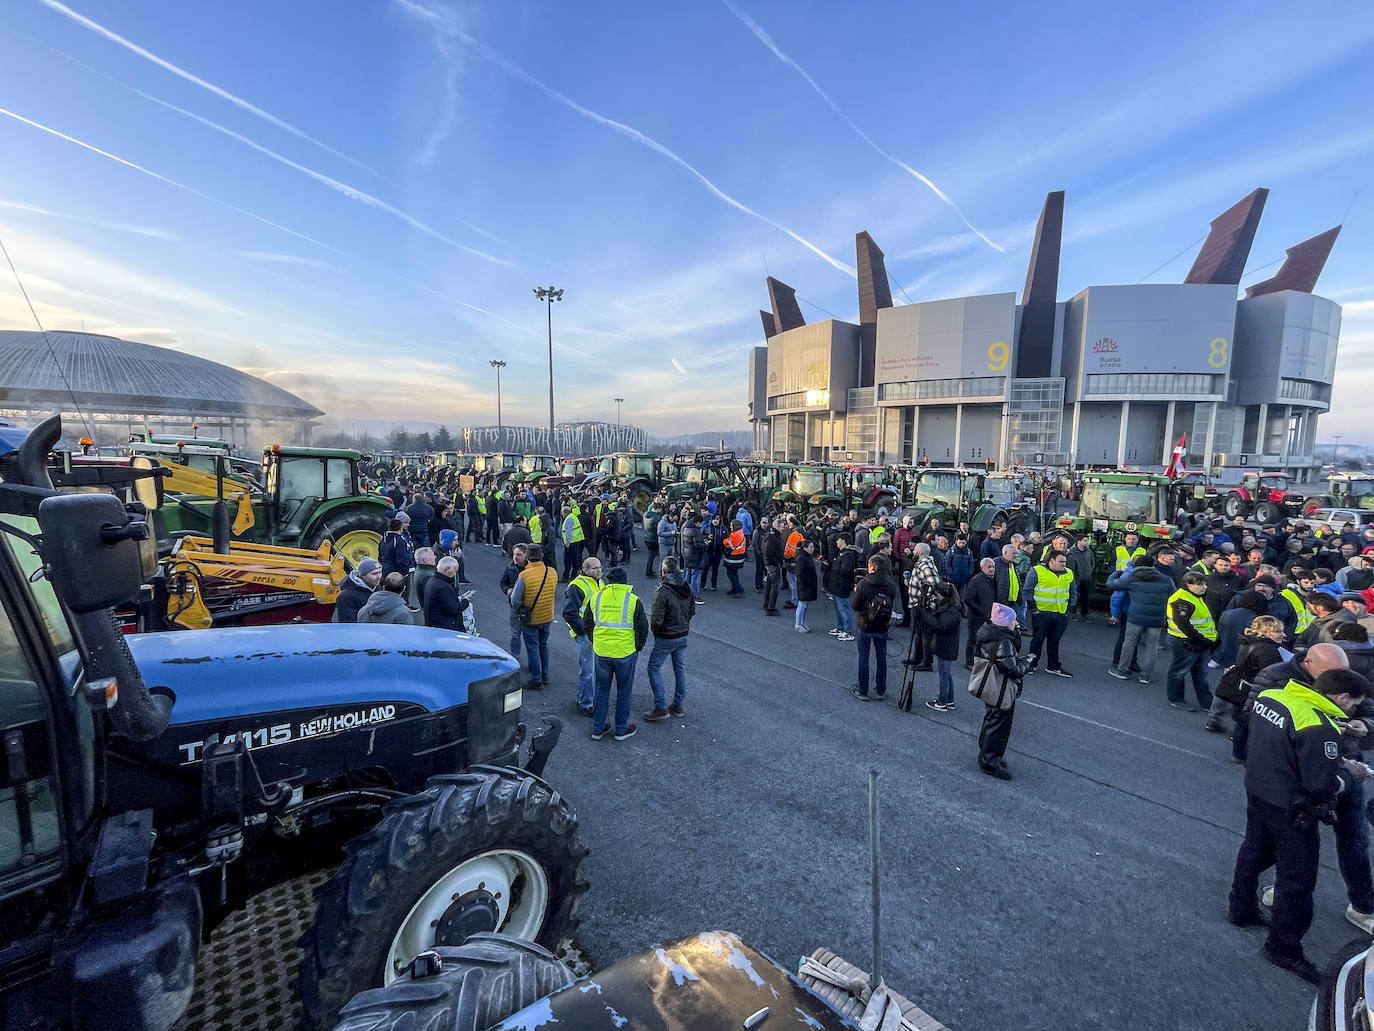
{"points": [[792, 587], [801, 612], [1352, 847], [537, 651], [623, 670], [1186, 662], [758, 570], [945, 669], [663, 648], [880, 676], [844, 614], [517, 634], [586, 672], [733, 573], [694, 578]]}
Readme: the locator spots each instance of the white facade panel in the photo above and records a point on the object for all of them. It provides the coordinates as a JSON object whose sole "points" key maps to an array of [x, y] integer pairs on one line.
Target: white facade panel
{"points": [[954, 339]]}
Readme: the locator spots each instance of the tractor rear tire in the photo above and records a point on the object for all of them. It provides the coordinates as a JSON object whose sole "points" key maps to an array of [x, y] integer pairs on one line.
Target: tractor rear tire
{"points": [[640, 496], [356, 530], [479, 984], [419, 845]]}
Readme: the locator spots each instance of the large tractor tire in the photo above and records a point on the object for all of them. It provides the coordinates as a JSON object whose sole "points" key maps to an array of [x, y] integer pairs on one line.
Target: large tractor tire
{"points": [[640, 493], [379, 470], [356, 531], [476, 985], [495, 849], [1020, 521], [1267, 512], [1234, 505]]}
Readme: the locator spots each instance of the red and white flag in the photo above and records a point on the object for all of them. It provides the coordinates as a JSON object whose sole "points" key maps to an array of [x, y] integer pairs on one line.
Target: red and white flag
{"points": [[1177, 467]]}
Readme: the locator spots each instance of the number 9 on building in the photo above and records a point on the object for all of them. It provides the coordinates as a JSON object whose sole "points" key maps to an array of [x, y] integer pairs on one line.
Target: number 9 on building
{"points": [[997, 356]]}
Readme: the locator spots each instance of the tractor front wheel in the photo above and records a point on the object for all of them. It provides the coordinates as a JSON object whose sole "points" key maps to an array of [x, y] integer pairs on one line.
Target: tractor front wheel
{"points": [[1267, 512], [490, 851], [356, 531], [1233, 506]]}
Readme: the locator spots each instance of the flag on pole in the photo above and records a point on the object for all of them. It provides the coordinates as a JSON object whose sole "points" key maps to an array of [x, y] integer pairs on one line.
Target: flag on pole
{"points": [[1177, 467]]}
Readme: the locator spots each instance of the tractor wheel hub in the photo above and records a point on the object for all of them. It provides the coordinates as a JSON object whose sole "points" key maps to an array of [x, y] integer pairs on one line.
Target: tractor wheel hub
{"points": [[472, 913]]}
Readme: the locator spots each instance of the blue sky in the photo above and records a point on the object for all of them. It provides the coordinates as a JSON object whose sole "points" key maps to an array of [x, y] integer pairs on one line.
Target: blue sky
{"points": [[355, 198]]}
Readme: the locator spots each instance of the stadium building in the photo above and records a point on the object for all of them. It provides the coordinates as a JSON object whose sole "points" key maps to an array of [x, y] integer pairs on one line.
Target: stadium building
{"points": [[117, 387], [1113, 376]]}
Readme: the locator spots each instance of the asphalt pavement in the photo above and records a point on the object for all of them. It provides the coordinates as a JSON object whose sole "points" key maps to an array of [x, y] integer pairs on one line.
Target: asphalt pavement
{"points": [[1087, 892]]}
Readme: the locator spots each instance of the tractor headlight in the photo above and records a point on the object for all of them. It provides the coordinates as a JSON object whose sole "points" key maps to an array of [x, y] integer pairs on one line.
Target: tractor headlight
{"points": [[513, 700]]}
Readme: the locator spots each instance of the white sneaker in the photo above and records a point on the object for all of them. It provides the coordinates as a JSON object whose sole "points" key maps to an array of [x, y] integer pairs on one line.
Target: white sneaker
{"points": [[1364, 921], [1213, 664], [844, 637], [834, 631]]}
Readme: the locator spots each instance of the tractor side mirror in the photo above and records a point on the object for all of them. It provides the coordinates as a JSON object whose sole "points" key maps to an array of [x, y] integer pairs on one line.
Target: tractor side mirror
{"points": [[98, 552], [147, 490]]}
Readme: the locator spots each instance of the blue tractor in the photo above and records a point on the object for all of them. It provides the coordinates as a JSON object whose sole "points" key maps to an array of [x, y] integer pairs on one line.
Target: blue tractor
{"points": [[152, 784]]}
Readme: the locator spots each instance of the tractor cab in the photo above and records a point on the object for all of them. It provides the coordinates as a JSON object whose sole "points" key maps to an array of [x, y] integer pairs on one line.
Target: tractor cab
{"points": [[533, 468], [813, 485], [1352, 490]]}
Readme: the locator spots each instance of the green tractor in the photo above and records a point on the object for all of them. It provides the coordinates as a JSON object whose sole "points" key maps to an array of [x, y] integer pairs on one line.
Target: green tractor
{"points": [[755, 485], [1344, 490], [534, 468], [632, 474], [309, 496], [981, 499], [812, 486], [1112, 505]]}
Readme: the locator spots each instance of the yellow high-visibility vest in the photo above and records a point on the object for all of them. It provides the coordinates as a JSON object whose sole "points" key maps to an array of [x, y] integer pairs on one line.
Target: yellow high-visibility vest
{"points": [[1305, 618], [1051, 592], [589, 589], [1200, 616], [536, 530], [614, 611], [572, 530], [1124, 557]]}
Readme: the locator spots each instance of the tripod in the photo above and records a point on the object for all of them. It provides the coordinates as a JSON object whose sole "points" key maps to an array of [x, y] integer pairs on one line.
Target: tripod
{"points": [[904, 697]]}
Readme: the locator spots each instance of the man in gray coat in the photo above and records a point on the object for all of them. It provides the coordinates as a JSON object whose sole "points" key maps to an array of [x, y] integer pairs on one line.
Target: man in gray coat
{"points": [[387, 604]]}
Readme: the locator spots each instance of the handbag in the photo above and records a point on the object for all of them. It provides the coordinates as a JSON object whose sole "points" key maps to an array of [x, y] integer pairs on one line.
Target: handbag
{"points": [[525, 612], [1232, 687], [999, 695]]}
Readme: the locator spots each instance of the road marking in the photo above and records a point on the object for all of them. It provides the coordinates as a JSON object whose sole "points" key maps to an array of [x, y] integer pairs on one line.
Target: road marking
{"points": [[1128, 733]]}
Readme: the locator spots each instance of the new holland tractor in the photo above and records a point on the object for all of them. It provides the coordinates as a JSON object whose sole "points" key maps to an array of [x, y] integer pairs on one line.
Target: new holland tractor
{"points": [[154, 783]]}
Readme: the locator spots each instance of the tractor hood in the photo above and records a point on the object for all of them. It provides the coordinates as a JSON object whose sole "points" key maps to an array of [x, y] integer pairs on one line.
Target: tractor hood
{"points": [[712, 980], [241, 671]]}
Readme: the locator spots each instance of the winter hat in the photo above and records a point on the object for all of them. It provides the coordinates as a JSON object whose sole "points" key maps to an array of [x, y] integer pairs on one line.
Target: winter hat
{"points": [[446, 538], [1003, 615], [401, 517], [368, 565]]}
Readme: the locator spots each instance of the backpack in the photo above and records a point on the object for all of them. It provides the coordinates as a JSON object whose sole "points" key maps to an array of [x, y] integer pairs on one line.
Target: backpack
{"points": [[878, 612]]}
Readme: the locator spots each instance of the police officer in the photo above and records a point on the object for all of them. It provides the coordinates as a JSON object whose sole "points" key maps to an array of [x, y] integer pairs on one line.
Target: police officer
{"points": [[1293, 776]]}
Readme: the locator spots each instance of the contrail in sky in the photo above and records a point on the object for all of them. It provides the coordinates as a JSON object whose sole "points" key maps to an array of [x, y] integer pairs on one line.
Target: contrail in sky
{"points": [[258, 218], [646, 141], [767, 41], [271, 119]]}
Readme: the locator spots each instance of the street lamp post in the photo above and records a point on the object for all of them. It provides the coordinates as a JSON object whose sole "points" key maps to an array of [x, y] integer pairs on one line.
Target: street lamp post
{"points": [[618, 402], [498, 365], [549, 294]]}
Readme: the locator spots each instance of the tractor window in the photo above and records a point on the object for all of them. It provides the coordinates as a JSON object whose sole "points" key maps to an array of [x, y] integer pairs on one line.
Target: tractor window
{"points": [[53, 617], [1358, 488], [302, 478], [938, 486], [338, 478], [30, 825], [1274, 482], [1121, 502]]}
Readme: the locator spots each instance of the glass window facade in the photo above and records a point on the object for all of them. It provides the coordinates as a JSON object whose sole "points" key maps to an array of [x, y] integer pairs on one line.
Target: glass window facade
{"points": [[800, 399], [1155, 384], [1303, 390], [1035, 413], [928, 389]]}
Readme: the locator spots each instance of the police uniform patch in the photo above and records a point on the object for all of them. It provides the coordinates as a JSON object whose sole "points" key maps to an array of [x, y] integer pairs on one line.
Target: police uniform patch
{"points": [[1331, 750]]}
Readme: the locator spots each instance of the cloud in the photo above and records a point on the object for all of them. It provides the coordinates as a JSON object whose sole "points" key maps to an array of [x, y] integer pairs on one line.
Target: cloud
{"points": [[1357, 310], [767, 41], [443, 26], [283, 259], [647, 141], [678, 365], [351, 192], [182, 73], [121, 227]]}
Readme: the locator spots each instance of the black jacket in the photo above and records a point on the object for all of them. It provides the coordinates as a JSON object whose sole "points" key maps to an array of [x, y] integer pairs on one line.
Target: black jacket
{"points": [[1288, 764], [1253, 655], [980, 595], [944, 623], [807, 579], [443, 606], [864, 591], [997, 648], [353, 596], [673, 608], [839, 577], [771, 548]]}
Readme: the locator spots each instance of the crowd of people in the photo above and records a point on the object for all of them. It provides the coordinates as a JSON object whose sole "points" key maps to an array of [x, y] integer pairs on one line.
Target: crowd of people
{"points": [[1282, 612]]}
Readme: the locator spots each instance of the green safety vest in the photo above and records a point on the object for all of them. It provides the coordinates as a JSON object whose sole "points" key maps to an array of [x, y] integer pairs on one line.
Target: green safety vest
{"points": [[536, 530], [589, 589], [1305, 618], [875, 533], [1052, 589], [1124, 558], [481, 504], [1014, 590], [1307, 708], [1200, 616], [613, 611], [572, 530]]}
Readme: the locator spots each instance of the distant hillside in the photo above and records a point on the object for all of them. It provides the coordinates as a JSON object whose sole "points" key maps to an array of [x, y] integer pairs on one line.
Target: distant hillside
{"points": [[735, 440]]}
